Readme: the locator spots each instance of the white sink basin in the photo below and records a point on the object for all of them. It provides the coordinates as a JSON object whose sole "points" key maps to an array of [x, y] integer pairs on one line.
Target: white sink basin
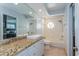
{"points": [[34, 36]]}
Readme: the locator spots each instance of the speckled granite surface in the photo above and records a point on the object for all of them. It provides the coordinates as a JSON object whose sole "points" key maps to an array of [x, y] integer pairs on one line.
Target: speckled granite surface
{"points": [[13, 47]]}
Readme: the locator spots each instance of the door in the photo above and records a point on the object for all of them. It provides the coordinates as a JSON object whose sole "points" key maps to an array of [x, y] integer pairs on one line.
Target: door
{"points": [[77, 29], [72, 7], [70, 30], [73, 27]]}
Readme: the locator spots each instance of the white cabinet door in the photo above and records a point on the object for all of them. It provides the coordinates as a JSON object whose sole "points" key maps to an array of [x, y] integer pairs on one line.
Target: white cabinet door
{"points": [[25, 52], [39, 48], [34, 50]]}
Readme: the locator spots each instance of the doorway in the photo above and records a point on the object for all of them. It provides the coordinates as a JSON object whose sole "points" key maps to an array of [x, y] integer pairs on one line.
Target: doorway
{"points": [[71, 29], [77, 29], [54, 36]]}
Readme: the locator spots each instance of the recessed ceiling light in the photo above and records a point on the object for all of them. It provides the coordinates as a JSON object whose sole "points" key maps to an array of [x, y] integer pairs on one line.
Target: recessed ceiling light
{"points": [[30, 12], [16, 3], [50, 5], [40, 10]]}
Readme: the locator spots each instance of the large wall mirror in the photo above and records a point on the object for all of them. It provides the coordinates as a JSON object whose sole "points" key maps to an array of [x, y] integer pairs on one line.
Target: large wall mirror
{"points": [[9, 26]]}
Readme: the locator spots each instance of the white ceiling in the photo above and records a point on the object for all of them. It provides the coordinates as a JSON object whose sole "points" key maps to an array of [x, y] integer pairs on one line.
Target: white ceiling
{"points": [[39, 9], [22, 8], [48, 8], [55, 8]]}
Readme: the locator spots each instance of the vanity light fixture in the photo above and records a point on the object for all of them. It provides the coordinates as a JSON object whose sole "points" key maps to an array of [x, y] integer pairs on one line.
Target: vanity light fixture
{"points": [[50, 25]]}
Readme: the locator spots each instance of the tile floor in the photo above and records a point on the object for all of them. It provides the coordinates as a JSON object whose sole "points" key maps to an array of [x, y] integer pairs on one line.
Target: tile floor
{"points": [[54, 51]]}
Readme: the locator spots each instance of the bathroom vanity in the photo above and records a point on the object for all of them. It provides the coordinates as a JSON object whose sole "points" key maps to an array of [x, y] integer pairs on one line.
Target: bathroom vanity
{"points": [[22, 47], [37, 49]]}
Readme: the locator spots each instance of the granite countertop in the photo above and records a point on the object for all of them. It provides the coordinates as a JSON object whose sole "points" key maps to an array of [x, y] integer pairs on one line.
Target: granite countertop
{"points": [[12, 48]]}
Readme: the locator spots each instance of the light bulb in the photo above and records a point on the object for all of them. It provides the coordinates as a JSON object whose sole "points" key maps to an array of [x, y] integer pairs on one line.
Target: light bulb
{"points": [[16, 3], [50, 25]]}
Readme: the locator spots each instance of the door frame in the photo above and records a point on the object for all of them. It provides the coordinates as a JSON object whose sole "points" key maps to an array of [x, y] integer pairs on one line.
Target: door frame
{"points": [[69, 30], [77, 28]]}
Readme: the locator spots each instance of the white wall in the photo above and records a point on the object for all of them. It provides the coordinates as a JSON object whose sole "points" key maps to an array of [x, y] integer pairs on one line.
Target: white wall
{"points": [[21, 21], [55, 35], [1, 29]]}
